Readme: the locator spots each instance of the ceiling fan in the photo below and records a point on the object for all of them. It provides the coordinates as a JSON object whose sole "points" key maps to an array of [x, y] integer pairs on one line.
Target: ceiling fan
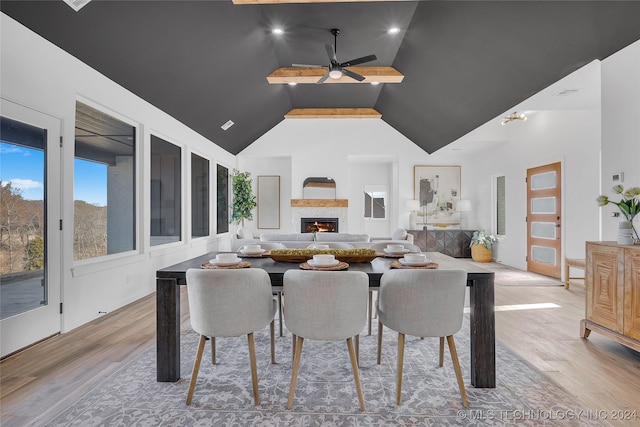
{"points": [[338, 69]]}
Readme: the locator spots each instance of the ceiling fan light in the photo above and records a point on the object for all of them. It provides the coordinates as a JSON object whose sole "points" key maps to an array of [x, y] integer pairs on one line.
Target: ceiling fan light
{"points": [[335, 74], [393, 30], [277, 31]]}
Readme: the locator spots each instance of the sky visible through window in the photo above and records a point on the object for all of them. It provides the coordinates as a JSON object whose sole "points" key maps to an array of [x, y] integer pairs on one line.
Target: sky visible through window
{"points": [[22, 166]]}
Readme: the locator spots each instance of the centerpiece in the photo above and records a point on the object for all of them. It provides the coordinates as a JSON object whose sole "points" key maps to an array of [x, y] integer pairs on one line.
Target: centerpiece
{"points": [[629, 205]]}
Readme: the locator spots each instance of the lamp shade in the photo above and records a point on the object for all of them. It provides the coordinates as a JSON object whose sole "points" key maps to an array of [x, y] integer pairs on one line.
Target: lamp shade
{"points": [[413, 205], [463, 206]]}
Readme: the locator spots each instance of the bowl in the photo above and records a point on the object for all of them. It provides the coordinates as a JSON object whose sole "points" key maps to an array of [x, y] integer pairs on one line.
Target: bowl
{"points": [[227, 258], [252, 248], [395, 248], [415, 258], [324, 259], [320, 246]]}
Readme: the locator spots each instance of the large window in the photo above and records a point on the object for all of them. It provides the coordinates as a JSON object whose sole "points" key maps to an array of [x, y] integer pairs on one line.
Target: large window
{"points": [[165, 192], [222, 199], [103, 184], [501, 213], [199, 196]]}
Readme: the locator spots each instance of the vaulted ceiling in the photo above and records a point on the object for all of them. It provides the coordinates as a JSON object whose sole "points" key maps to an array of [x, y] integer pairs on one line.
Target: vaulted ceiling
{"points": [[206, 62]]}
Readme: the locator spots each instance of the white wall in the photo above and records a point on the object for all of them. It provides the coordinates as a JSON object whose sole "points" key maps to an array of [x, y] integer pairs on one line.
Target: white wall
{"points": [[39, 75], [620, 129]]}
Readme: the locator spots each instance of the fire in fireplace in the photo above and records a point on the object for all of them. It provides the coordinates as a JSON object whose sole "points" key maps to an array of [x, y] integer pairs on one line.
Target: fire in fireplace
{"points": [[313, 225]]}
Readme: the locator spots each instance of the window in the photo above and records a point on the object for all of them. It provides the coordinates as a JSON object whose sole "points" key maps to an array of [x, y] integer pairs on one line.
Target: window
{"points": [[375, 201], [501, 214], [165, 192], [103, 184], [222, 199], [199, 196]]}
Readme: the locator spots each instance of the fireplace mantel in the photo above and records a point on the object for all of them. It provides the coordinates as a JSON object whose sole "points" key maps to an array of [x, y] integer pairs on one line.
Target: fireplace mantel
{"points": [[319, 203]]}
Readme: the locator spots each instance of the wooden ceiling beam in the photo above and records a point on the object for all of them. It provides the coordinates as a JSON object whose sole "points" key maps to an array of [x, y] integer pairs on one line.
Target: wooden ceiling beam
{"points": [[333, 113], [312, 74]]}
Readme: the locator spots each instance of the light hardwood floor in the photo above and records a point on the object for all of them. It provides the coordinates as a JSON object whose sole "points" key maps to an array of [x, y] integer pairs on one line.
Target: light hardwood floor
{"points": [[41, 381]]}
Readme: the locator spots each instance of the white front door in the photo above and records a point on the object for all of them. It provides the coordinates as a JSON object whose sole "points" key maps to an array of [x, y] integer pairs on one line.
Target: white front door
{"points": [[30, 212]]}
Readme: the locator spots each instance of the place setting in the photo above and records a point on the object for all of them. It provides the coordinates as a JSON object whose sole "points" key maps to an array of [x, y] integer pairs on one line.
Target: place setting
{"points": [[414, 261], [395, 251], [252, 251], [226, 260], [324, 262]]}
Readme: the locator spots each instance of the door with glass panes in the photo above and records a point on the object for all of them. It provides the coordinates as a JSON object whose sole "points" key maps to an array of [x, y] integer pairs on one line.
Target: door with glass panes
{"points": [[30, 211], [544, 220]]}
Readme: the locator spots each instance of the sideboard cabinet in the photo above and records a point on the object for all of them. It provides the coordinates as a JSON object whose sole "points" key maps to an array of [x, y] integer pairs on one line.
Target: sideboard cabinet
{"points": [[454, 243], [612, 292]]}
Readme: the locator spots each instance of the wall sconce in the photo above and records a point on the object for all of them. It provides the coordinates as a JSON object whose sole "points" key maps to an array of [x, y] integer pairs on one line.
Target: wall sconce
{"points": [[463, 206], [513, 117]]}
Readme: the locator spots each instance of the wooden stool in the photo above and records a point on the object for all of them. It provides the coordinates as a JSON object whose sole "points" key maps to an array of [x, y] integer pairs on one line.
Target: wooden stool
{"points": [[575, 263]]}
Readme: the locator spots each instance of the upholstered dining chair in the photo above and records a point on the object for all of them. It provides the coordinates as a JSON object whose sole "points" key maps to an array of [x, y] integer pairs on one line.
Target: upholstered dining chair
{"points": [[422, 303], [328, 306], [229, 303]]}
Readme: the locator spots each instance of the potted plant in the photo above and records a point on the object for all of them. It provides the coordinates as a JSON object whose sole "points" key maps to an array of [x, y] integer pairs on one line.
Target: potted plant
{"points": [[629, 205], [244, 201], [482, 246]]}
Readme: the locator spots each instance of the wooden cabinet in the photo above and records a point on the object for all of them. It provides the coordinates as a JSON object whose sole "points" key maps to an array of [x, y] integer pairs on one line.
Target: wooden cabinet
{"points": [[454, 243], [612, 294]]}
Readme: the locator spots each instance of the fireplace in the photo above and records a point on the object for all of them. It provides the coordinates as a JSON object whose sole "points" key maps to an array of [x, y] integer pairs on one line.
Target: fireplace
{"points": [[324, 225]]}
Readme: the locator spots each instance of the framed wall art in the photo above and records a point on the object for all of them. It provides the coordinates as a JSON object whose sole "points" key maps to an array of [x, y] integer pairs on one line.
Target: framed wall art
{"points": [[437, 189]]}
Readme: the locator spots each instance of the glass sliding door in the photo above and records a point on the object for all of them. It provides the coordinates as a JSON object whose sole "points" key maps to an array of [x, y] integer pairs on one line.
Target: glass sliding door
{"points": [[29, 226]]}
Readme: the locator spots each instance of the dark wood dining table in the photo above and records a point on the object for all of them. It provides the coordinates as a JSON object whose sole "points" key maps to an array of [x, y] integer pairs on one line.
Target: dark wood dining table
{"points": [[482, 311]]}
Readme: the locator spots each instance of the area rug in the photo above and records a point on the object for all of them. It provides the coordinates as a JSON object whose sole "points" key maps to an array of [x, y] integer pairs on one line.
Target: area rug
{"points": [[325, 393]]}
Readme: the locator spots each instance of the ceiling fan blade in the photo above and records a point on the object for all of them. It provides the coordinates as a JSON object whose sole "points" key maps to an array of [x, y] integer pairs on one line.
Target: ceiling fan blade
{"points": [[307, 66], [331, 52], [357, 61], [353, 75], [323, 78]]}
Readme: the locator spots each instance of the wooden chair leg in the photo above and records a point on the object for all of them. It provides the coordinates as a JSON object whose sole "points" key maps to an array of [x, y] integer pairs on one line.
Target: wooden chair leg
{"points": [[370, 310], [358, 349], [254, 371], [273, 339], [280, 310], [379, 341], [294, 371], [356, 375], [456, 367], [196, 368], [441, 362], [293, 348], [213, 350], [400, 363]]}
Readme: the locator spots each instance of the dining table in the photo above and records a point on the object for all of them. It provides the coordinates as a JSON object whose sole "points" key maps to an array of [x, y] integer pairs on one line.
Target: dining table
{"points": [[480, 282]]}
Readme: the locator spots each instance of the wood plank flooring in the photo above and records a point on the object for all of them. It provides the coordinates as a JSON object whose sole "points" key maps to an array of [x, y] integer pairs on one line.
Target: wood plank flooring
{"points": [[38, 383]]}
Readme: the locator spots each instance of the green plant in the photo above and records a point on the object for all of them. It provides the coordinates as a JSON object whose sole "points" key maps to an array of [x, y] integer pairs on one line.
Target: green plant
{"points": [[480, 238], [244, 201], [629, 205]]}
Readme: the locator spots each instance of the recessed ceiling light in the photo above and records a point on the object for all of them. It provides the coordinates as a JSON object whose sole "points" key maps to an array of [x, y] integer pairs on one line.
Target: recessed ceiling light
{"points": [[292, 83], [393, 30], [277, 31], [227, 125], [375, 83]]}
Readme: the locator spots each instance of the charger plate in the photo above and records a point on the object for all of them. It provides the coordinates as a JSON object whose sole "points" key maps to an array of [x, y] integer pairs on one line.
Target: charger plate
{"points": [[340, 266], [430, 265], [241, 264]]}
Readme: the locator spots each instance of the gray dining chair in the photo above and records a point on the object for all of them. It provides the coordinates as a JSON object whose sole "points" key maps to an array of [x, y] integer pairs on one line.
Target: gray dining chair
{"points": [[229, 303], [423, 303], [328, 306]]}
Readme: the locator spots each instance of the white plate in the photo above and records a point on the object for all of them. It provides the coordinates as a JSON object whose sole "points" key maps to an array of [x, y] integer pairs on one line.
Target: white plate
{"points": [[261, 251], [402, 251], [414, 264], [223, 264], [312, 263]]}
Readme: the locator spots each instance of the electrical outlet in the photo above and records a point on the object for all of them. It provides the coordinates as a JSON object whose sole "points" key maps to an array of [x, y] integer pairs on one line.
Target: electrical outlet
{"points": [[618, 177]]}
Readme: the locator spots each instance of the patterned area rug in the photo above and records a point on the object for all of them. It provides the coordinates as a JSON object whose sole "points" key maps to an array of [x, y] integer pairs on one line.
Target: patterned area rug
{"points": [[325, 393]]}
